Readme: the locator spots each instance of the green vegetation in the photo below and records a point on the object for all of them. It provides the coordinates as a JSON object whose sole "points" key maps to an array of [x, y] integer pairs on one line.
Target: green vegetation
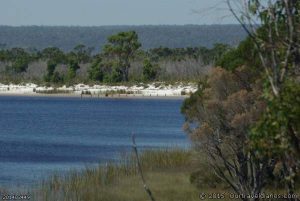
{"points": [[150, 71], [53, 56], [122, 60], [119, 53], [245, 115], [122, 182], [173, 174], [244, 54], [17, 59], [96, 70]]}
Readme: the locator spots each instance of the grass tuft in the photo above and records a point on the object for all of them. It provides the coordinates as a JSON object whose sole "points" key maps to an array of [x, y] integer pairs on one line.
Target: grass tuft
{"points": [[120, 181]]}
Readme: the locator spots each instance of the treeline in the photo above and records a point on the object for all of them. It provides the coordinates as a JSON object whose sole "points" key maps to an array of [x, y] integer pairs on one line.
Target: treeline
{"points": [[121, 59], [171, 36]]}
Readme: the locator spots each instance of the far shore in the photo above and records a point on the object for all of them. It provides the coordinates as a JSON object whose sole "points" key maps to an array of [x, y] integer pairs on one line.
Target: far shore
{"points": [[74, 95], [152, 90]]}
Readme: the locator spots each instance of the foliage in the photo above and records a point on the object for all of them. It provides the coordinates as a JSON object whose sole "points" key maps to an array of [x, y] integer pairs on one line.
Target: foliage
{"points": [[115, 75], [18, 58], [208, 56], [218, 119], [282, 117], [276, 44], [96, 72], [276, 134], [78, 65], [56, 78], [53, 56], [218, 50], [189, 105], [20, 64], [51, 74], [244, 54], [73, 65], [53, 53], [120, 50], [150, 70], [83, 53]]}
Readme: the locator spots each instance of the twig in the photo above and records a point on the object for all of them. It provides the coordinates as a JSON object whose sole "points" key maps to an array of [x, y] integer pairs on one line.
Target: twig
{"points": [[148, 191]]}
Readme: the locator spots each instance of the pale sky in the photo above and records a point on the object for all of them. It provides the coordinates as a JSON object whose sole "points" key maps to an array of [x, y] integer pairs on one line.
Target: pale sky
{"points": [[113, 12]]}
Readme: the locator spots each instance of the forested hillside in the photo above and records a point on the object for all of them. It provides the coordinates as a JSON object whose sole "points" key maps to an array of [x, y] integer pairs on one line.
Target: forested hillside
{"points": [[171, 36]]}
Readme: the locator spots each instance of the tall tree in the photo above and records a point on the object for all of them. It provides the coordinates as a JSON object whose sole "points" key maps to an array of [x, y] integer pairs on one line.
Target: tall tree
{"points": [[277, 39], [53, 56], [277, 135], [73, 65], [83, 53], [19, 59], [120, 51], [150, 70], [96, 70]]}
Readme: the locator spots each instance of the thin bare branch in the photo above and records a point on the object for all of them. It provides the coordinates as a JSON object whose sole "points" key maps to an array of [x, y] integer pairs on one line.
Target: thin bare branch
{"points": [[148, 191]]}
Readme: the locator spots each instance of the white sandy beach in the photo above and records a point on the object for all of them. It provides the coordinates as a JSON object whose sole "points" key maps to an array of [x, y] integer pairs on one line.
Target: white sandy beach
{"points": [[141, 90]]}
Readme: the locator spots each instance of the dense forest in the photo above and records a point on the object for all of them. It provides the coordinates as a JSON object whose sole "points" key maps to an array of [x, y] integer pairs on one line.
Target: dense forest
{"points": [[122, 59], [171, 36]]}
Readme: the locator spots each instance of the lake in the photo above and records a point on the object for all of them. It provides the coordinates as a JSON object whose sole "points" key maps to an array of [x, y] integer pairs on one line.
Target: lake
{"points": [[45, 135]]}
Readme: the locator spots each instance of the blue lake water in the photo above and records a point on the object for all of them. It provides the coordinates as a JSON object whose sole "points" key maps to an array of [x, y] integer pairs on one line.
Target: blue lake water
{"points": [[43, 135]]}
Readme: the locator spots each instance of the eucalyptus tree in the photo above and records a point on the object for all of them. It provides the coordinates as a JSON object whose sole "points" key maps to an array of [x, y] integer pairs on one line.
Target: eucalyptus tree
{"points": [[83, 53], [96, 71], [150, 70], [119, 53], [73, 65], [273, 26], [18, 58], [250, 126], [53, 56]]}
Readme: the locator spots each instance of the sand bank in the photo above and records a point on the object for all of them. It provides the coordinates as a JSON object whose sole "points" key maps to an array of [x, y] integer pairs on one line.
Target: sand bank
{"points": [[83, 90]]}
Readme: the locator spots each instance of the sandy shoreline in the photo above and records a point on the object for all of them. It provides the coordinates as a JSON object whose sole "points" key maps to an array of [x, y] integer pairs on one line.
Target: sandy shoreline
{"points": [[72, 95], [154, 90]]}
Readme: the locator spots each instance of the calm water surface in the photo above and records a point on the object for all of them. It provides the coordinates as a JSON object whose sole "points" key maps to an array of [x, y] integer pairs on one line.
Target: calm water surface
{"points": [[43, 135]]}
